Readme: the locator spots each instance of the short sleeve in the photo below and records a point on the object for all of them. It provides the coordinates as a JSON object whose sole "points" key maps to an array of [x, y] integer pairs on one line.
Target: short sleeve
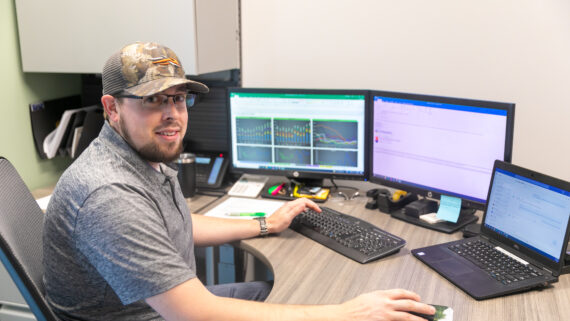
{"points": [[122, 233]]}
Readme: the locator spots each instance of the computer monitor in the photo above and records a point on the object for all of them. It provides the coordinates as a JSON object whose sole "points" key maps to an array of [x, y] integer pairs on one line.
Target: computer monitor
{"points": [[298, 133], [437, 146]]}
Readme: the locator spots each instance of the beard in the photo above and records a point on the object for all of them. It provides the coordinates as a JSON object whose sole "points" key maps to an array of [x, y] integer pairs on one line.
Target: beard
{"points": [[152, 151]]}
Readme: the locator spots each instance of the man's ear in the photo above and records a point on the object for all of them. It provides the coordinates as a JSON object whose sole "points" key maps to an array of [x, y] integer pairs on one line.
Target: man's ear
{"points": [[110, 106]]}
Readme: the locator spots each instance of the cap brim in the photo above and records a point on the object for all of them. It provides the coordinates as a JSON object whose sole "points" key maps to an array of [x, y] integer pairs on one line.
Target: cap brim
{"points": [[158, 85]]}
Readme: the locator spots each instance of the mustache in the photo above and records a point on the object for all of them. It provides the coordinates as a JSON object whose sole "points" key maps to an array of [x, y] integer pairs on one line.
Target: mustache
{"points": [[169, 125]]}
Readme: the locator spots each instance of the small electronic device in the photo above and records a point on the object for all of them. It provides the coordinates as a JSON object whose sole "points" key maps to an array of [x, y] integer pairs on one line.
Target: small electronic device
{"points": [[314, 193], [304, 134], [420, 207], [442, 313], [210, 170]]}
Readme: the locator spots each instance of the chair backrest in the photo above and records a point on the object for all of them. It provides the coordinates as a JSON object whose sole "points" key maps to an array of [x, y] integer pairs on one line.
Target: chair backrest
{"points": [[21, 250]]}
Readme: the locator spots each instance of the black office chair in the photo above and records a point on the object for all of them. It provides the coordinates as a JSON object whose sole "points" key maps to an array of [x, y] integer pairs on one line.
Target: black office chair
{"points": [[21, 251]]}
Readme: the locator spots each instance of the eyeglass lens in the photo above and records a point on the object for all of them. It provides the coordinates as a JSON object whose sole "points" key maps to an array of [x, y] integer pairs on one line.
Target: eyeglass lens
{"points": [[158, 100]]}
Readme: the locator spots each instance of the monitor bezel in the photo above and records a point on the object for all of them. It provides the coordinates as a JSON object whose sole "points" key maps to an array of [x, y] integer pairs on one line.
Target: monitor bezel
{"points": [[432, 193], [303, 173]]}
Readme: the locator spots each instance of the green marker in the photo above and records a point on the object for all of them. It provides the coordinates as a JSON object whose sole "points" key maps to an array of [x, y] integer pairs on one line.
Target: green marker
{"points": [[245, 214]]}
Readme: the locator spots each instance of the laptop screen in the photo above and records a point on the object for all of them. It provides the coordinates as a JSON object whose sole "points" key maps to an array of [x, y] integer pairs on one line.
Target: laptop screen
{"points": [[528, 212]]}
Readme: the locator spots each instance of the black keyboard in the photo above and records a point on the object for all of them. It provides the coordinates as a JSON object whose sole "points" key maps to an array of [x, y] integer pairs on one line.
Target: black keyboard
{"points": [[497, 264], [349, 236]]}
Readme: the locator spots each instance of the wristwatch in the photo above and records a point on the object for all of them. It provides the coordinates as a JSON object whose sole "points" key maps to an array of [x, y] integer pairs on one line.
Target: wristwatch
{"points": [[262, 226]]}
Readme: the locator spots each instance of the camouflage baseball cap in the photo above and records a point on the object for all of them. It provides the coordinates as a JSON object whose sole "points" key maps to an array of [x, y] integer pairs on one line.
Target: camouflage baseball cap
{"points": [[145, 68]]}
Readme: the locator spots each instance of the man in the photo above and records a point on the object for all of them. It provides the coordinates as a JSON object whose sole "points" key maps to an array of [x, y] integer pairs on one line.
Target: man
{"points": [[119, 238]]}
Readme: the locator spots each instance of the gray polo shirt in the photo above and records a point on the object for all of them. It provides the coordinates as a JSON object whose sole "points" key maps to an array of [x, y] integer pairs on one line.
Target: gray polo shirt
{"points": [[116, 232]]}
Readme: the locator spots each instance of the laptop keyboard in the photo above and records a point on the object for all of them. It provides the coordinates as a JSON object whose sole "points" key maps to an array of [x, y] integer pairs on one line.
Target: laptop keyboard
{"points": [[498, 265]]}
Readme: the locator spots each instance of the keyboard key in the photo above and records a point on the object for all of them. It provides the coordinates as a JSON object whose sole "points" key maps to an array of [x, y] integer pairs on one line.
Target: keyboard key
{"points": [[498, 265]]}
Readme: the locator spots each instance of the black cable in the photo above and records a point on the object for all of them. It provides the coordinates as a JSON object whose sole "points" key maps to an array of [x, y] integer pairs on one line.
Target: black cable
{"points": [[334, 184], [346, 197]]}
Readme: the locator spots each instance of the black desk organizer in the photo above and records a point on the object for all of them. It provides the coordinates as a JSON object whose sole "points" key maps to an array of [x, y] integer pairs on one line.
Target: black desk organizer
{"points": [[385, 204], [45, 116]]}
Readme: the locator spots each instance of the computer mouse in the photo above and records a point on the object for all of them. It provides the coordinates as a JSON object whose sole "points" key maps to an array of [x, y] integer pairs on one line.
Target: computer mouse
{"points": [[429, 317]]}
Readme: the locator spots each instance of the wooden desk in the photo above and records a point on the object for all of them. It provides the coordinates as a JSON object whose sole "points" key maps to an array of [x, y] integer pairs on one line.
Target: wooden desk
{"points": [[308, 273]]}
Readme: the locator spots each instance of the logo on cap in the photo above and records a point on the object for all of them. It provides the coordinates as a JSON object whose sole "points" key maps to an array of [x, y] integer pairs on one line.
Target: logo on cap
{"points": [[165, 61]]}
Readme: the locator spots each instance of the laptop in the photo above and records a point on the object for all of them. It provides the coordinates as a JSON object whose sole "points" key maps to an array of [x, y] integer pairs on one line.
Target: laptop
{"points": [[523, 239]]}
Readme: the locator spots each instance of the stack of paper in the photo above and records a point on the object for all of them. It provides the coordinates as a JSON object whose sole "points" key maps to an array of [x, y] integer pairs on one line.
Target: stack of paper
{"points": [[64, 138]]}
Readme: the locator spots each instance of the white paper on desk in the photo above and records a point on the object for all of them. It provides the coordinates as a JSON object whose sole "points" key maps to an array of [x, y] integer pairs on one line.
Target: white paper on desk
{"points": [[237, 204], [43, 202]]}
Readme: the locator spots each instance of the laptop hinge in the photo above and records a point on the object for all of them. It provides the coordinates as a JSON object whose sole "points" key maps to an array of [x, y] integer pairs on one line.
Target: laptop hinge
{"points": [[549, 271]]}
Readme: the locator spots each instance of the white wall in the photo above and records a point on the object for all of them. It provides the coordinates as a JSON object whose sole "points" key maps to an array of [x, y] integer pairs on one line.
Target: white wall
{"points": [[508, 50]]}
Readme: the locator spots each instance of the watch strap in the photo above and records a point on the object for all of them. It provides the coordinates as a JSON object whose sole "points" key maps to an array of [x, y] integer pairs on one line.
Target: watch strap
{"points": [[262, 226]]}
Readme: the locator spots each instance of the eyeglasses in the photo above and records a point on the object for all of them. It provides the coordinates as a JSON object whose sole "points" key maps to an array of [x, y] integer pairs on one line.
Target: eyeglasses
{"points": [[158, 100]]}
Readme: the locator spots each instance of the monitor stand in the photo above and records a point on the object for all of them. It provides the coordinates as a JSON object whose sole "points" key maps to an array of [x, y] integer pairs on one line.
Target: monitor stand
{"points": [[293, 187], [419, 207]]}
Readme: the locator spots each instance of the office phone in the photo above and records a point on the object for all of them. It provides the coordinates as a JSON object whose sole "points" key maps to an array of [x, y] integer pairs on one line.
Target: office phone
{"points": [[210, 170]]}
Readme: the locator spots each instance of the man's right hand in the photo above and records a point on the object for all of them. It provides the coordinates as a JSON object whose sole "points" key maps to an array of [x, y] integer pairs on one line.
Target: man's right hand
{"points": [[386, 305], [281, 219]]}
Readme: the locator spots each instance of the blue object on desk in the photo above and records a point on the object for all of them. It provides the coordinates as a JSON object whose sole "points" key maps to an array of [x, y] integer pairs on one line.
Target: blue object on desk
{"points": [[449, 208]]}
